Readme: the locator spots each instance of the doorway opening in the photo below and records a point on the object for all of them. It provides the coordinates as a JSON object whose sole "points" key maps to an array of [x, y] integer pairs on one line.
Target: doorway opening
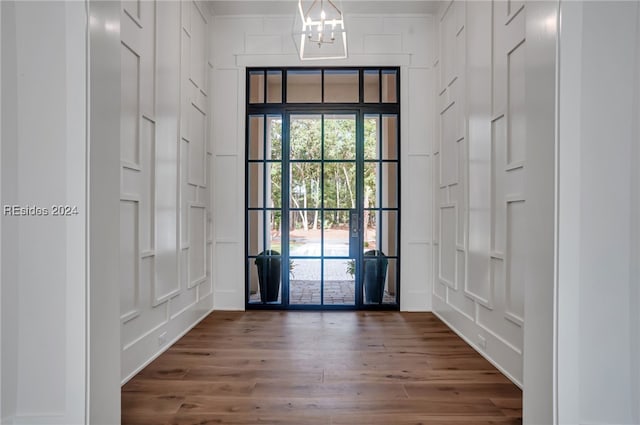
{"points": [[322, 186]]}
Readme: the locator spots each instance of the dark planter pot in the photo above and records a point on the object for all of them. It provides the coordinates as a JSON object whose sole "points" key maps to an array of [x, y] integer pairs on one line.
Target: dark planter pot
{"points": [[269, 270], [375, 274]]}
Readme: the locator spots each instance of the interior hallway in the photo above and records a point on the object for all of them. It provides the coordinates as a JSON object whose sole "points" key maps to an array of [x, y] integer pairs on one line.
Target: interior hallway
{"points": [[520, 145], [308, 368]]}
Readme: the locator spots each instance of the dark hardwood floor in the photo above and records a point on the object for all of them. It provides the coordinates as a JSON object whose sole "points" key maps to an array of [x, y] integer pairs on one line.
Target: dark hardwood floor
{"points": [[308, 368]]}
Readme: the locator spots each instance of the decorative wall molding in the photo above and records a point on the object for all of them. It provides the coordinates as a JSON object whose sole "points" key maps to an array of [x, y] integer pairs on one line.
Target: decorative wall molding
{"points": [[479, 165], [165, 171]]}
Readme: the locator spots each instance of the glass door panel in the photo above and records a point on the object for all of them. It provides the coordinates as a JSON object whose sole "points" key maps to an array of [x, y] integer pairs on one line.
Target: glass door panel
{"points": [[305, 137], [305, 236], [340, 185], [339, 286], [264, 203], [322, 192], [336, 233], [305, 287], [305, 209], [339, 137], [380, 228]]}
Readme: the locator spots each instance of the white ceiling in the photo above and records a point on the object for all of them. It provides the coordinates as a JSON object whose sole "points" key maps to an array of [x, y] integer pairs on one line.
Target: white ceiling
{"points": [[285, 7]]}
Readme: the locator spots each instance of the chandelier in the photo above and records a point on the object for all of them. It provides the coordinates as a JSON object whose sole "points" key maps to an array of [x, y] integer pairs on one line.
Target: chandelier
{"points": [[319, 30]]}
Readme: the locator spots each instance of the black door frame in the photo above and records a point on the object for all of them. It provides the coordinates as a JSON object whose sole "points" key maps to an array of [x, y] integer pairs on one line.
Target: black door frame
{"points": [[285, 110]]}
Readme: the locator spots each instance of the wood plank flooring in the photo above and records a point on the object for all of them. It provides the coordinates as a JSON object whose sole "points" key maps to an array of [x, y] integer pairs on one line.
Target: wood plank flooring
{"points": [[325, 368]]}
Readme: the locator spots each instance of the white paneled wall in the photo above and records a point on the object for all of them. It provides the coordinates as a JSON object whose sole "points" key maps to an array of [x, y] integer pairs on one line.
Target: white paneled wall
{"points": [[479, 165], [393, 40], [165, 242], [43, 148]]}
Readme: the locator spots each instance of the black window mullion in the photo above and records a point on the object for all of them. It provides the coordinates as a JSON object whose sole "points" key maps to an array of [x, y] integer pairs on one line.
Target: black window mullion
{"points": [[322, 255], [264, 78], [284, 86], [285, 195], [264, 241], [264, 139], [322, 86], [322, 206], [398, 191], [380, 174], [247, 264], [264, 192], [398, 88], [380, 137], [359, 275], [361, 86], [380, 86]]}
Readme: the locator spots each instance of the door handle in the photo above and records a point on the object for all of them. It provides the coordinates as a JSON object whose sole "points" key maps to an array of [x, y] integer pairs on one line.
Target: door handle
{"points": [[354, 225]]}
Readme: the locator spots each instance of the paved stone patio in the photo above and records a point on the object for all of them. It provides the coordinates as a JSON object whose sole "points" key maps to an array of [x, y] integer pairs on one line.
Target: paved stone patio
{"points": [[339, 286], [336, 292]]}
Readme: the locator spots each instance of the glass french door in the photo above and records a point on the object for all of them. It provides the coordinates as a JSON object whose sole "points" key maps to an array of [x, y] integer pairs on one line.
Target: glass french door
{"points": [[322, 204], [323, 217]]}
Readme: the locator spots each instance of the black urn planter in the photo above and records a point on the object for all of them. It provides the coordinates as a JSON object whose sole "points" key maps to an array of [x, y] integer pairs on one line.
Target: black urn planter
{"points": [[269, 270], [375, 275]]}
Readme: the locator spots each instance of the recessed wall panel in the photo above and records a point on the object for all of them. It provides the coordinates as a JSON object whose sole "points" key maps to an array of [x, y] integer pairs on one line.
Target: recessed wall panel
{"points": [[449, 152], [130, 104], [147, 162], [516, 105], [225, 114], [197, 224], [184, 206], [516, 258], [498, 160], [460, 191], [226, 277], [226, 212], [187, 84], [420, 127], [419, 257], [437, 200], [129, 180], [478, 84], [167, 137], [382, 43], [184, 267], [448, 245], [197, 146], [417, 206], [206, 287], [263, 43], [129, 255]]}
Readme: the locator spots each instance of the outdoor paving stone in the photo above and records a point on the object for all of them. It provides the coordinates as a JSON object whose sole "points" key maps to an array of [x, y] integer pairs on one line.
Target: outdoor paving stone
{"points": [[335, 293]]}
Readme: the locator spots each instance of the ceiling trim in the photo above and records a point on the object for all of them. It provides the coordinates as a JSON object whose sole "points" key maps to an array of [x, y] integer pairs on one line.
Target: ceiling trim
{"points": [[350, 7]]}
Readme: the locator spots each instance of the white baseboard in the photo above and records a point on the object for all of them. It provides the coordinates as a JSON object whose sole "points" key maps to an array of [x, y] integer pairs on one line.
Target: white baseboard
{"points": [[479, 351], [164, 348]]}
